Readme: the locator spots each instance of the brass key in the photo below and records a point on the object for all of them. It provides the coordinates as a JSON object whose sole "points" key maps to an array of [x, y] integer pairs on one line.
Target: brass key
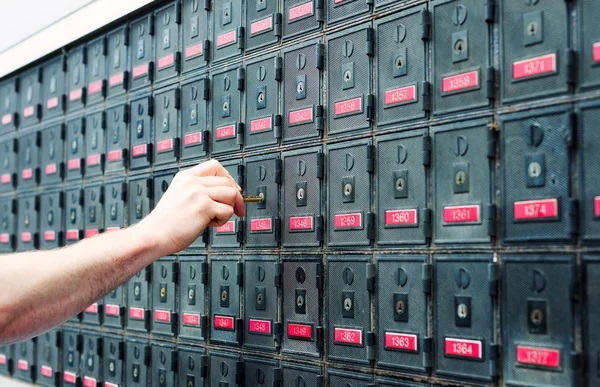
{"points": [[253, 199]]}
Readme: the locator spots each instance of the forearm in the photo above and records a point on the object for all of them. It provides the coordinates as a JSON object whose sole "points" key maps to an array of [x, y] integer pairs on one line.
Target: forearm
{"points": [[33, 300]]}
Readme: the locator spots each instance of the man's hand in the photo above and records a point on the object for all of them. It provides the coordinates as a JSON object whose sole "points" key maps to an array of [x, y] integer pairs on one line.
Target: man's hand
{"points": [[199, 197]]}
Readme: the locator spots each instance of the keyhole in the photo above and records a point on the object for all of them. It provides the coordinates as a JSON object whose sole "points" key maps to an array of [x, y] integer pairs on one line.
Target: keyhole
{"points": [[399, 62], [462, 311], [535, 169], [459, 46], [460, 177], [400, 184], [140, 128], [193, 114], [224, 296], [537, 316], [136, 290], [400, 307], [226, 12], [347, 304], [532, 28], [348, 189], [135, 372], [191, 294], [261, 97], [163, 292], [300, 194], [259, 298], [111, 367], [347, 76], [300, 301], [225, 106], [300, 87], [162, 379]]}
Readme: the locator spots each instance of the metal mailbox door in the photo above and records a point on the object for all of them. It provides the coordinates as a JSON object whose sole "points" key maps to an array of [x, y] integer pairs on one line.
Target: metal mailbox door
{"points": [[538, 320], [263, 21], [115, 194], [95, 124], [339, 378], [261, 372], [263, 121], [113, 357], [225, 369], [138, 358], [196, 46], [536, 59], [589, 45], [229, 235], [48, 359], [117, 118], [27, 226], [8, 165], [465, 291], [340, 10], [166, 131], [8, 106], [463, 76], [589, 140], [403, 285], [30, 90], [302, 91], [226, 274], [348, 306], [227, 127], [403, 216], [118, 65], [138, 302], [462, 177], [52, 155], [403, 92], [92, 359], [6, 360], [195, 127], [193, 278], [350, 220], [73, 215], [302, 198], [93, 209], [164, 278], [72, 344], [142, 52], [301, 17], [262, 223], [349, 70], [53, 87], [227, 29], [114, 309], [75, 148], [51, 219], [164, 364], [140, 135], [96, 70], [295, 374], [193, 365], [8, 224], [76, 78], [262, 329], [25, 360], [302, 306], [139, 198], [536, 178], [591, 338], [168, 56], [29, 161]]}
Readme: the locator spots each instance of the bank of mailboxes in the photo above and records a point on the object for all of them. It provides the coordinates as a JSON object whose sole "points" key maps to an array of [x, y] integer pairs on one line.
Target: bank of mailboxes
{"points": [[330, 128]]}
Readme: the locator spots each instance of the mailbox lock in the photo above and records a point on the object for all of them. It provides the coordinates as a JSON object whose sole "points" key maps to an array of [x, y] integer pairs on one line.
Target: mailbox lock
{"points": [[534, 169], [163, 292], [461, 177], [193, 114], [459, 46], [111, 366], [300, 87], [26, 220], [300, 300], [136, 290], [90, 362], [190, 384], [162, 379], [225, 106], [47, 353], [140, 128], [259, 298], [300, 193], [347, 303], [191, 294], [537, 316], [261, 97], [462, 311], [400, 307], [400, 184], [70, 358], [399, 62], [224, 295], [262, 196], [347, 75], [136, 372], [347, 189], [532, 28]]}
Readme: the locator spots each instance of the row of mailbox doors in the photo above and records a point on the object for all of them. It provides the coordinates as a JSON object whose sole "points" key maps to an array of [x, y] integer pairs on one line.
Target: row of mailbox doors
{"points": [[537, 60], [454, 166], [540, 314]]}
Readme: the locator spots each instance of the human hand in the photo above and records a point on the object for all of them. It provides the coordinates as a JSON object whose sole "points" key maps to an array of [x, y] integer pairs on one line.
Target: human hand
{"points": [[199, 197]]}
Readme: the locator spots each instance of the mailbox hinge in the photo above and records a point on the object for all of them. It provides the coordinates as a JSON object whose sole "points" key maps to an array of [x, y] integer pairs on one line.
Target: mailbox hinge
{"points": [[370, 339], [490, 11], [319, 228], [573, 281], [319, 276], [370, 158], [493, 365], [239, 329], [571, 66], [207, 5], [241, 34], [491, 142], [320, 338], [241, 79], [370, 226], [277, 277], [573, 216], [278, 67], [571, 137], [425, 25], [203, 366], [492, 279], [320, 381], [175, 272], [370, 106], [241, 174], [319, 118], [426, 150], [370, 41], [206, 89], [426, 278], [277, 126], [320, 52], [278, 25], [239, 129], [206, 54], [278, 171], [319, 11], [240, 273], [204, 273], [370, 277], [320, 165], [239, 373], [427, 225], [491, 219], [277, 376], [427, 345], [426, 96], [490, 83], [203, 325]]}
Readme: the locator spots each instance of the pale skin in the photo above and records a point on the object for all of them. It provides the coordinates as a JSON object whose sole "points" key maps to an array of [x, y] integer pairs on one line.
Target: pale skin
{"points": [[43, 289]]}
